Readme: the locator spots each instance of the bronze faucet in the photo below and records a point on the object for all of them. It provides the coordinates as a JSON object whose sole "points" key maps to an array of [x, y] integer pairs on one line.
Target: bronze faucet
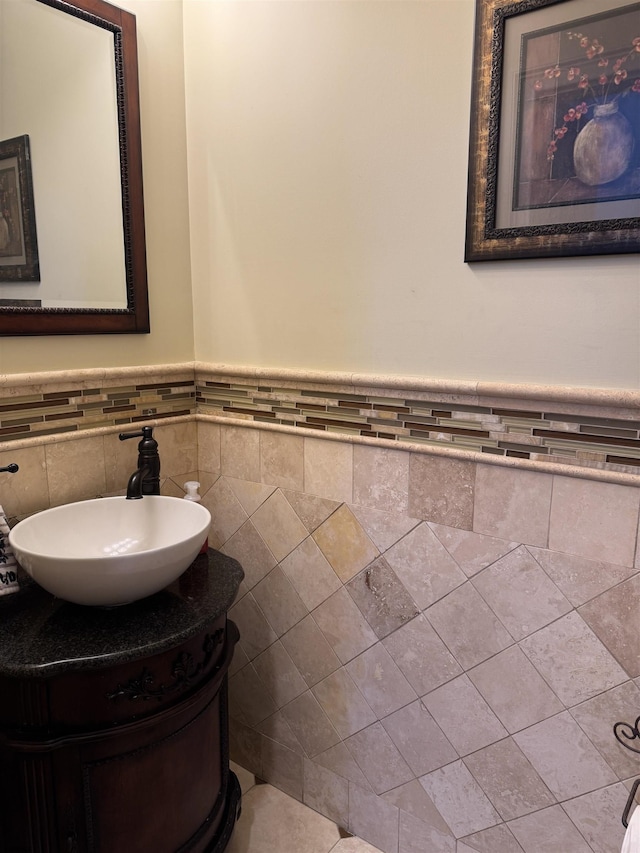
{"points": [[146, 479]]}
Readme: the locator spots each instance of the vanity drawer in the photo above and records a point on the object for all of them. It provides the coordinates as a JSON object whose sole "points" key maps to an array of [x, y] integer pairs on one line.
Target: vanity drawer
{"points": [[95, 699]]}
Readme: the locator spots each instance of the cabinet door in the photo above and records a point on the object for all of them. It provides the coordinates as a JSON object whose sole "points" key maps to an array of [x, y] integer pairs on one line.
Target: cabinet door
{"points": [[158, 783], [160, 795]]}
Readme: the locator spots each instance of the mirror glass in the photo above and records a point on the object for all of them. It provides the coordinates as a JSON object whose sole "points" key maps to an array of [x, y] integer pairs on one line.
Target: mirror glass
{"points": [[68, 86]]}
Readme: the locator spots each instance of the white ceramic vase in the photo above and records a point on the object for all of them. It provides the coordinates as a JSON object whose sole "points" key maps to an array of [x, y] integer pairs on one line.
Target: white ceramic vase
{"points": [[604, 146]]}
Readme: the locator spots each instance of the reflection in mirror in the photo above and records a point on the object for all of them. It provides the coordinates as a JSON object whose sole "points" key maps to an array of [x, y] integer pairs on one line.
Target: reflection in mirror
{"points": [[68, 82]]}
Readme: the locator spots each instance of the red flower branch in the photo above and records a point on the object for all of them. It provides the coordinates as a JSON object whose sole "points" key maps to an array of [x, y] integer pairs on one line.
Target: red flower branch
{"points": [[602, 84]]}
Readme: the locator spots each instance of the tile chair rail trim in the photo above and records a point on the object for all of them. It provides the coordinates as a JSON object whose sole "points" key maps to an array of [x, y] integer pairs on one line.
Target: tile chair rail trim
{"points": [[577, 432], [598, 401], [57, 438], [617, 477], [89, 377], [619, 398], [548, 428]]}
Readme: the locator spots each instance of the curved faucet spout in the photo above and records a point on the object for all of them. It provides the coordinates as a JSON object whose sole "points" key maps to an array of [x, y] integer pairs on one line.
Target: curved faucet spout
{"points": [[134, 486]]}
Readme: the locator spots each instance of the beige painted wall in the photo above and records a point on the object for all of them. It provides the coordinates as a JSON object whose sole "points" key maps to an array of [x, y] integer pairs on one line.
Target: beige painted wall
{"points": [[327, 164], [160, 49]]}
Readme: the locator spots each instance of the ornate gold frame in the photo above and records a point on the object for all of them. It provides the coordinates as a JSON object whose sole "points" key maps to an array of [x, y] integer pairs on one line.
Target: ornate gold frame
{"points": [[485, 241]]}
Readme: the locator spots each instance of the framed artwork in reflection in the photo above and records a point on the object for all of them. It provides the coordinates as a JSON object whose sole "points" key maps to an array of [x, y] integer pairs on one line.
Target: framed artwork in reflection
{"points": [[18, 238]]}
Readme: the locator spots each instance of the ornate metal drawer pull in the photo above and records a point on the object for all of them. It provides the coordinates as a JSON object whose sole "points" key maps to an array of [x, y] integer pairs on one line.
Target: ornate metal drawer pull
{"points": [[184, 672]]}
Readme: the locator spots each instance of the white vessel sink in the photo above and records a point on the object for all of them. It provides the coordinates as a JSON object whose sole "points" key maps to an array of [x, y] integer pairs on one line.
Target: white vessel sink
{"points": [[110, 551]]}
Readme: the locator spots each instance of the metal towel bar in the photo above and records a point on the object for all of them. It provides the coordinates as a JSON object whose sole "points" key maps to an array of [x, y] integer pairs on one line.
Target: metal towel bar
{"points": [[630, 801], [626, 734]]}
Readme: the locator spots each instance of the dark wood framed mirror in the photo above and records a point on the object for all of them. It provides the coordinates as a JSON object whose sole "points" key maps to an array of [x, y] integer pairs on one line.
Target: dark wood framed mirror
{"points": [[97, 253]]}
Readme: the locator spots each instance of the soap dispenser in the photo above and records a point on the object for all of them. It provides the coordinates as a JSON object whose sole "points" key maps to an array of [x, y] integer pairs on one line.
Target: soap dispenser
{"points": [[192, 494]]}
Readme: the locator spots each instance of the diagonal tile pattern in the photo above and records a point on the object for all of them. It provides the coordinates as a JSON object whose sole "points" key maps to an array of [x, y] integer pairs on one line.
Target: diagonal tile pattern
{"points": [[273, 822], [529, 429], [433, 688], [545, 654], [343, 703], [345, 544], [381, 598]]}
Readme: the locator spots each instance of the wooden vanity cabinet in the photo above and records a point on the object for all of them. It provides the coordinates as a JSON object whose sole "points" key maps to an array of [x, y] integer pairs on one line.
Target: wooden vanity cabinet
{"points": [[129, 756]]}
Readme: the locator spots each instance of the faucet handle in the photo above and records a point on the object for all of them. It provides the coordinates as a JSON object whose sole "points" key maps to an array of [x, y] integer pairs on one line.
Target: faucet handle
{"points": [[147, 448], [146, 432], [11, 468]]}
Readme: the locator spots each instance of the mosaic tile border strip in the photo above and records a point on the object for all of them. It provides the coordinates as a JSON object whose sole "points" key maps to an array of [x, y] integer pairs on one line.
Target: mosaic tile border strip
{"points": [[545, 434], [74, 409], [596, 429]]}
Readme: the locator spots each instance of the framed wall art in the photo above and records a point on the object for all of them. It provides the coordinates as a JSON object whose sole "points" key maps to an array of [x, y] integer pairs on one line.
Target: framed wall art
{"points": [[554, 162], [18, 239]]}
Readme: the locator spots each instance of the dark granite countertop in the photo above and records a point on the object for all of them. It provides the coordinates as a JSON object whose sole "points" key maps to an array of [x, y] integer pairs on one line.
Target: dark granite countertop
{"points": [[42, 636]]}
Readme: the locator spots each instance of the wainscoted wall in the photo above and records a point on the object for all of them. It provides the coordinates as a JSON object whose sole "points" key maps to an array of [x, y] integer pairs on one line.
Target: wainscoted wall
{"points": [[553, 425], [62, 430], [436, 642], [432, 649]]}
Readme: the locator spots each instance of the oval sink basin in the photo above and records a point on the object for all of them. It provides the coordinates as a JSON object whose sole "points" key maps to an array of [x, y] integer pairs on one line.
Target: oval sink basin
{"points": [[110, 551]]}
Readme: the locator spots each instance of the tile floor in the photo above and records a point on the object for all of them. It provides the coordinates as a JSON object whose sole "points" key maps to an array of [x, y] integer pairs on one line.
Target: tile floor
{"points": [[272, 822]]}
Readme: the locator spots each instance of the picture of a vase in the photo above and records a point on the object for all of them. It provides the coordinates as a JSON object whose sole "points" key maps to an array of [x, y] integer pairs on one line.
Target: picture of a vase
{"points": [[604, 146], [4, 232]]}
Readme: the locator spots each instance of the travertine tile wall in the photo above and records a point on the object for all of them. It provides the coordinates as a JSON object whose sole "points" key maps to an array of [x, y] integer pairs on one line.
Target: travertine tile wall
{"points": [[61, 470], [583, 428], [435, 647], [433, 651], [62, 430], [566, 426]]}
